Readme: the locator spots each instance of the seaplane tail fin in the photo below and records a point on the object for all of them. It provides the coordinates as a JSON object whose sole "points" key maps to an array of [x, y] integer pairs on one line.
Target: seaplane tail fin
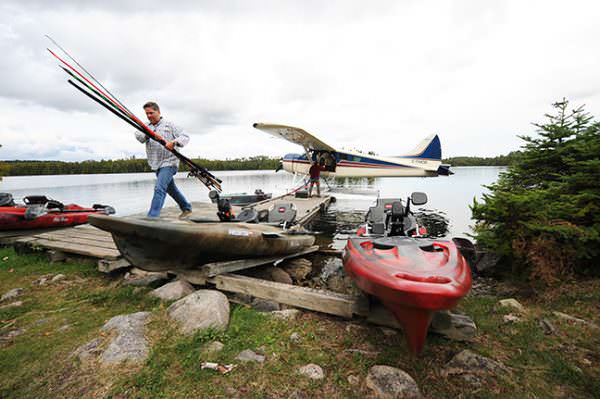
{"points": [[429, 148]]}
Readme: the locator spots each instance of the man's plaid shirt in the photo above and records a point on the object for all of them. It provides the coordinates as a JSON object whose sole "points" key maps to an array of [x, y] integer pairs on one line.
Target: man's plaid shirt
{"points": [[159, 156]]}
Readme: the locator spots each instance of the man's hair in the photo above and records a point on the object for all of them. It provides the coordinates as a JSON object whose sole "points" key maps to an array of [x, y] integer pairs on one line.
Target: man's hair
{"points": [[153, 105]]}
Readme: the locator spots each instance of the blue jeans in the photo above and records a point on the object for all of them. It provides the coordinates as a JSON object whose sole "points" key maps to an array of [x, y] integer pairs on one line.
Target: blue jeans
{"points": [[166, 185]]}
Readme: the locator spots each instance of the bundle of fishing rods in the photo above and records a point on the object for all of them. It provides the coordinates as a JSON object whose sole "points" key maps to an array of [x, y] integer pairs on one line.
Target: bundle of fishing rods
{"points": [[87, 84]]}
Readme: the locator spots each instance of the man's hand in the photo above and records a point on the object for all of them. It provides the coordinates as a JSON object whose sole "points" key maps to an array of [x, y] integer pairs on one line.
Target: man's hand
{"points": [[170, 145]]}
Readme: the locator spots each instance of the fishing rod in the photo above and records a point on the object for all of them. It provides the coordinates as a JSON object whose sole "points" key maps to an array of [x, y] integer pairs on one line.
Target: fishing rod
{"points": [[106, 105], [125, 114]]}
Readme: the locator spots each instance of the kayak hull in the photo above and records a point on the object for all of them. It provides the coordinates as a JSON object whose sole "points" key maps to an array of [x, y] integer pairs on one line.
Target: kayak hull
{"points": [[164, 244], [413, 278], [13, 217]]}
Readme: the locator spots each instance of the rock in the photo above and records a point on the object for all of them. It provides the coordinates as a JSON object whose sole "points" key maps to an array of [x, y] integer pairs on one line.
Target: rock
{"points": [[388, 332], [472, 366], [487, 263], [298, 268], [353, 379], [547, 327], [339, 283], [88, 351], [295, 337], [40, 322], [58, 277], [352, 328], [312, 371], [172, 291], [55, 256], [567, 317], [130, 343], [201, 310], [152, 280], [273, 273], [298, 394], [250, 356], [15, 304], [453, 326], [42, 280], [390, 382], [264, 305], [513, 304], [15, 292], [287, 314], [64, 328], [213, 347], [12, 334], [511, 318]]}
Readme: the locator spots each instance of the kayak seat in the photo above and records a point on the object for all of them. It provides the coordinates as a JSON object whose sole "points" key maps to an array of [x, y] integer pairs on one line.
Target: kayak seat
{"points": [[6, 199], [247, 216], [376, 214], [282, 212], [34, 211]]}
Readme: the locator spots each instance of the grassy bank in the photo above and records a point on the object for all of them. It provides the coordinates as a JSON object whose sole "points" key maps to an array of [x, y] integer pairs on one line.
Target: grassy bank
{"points": [[59, 317]]}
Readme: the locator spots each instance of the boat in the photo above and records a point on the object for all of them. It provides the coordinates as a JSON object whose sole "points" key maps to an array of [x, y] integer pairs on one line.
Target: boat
{"points": [[241, 199], [167, 244], [392, 259], [38, 212]]}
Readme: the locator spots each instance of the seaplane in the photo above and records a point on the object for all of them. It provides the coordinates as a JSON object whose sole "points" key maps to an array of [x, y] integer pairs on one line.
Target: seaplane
{"points": [[424, 161]]}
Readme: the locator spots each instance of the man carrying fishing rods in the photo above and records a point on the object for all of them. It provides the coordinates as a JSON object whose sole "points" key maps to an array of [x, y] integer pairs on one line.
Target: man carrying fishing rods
{"points": [[162, 161]]}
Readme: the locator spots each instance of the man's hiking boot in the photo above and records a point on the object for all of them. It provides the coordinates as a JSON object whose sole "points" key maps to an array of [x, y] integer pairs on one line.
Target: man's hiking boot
{"points": [[185, 214]]}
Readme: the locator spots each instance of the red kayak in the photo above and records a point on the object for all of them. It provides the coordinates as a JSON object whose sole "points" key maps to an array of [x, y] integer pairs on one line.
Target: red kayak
{"points": [[40, 212], [413, 276]]}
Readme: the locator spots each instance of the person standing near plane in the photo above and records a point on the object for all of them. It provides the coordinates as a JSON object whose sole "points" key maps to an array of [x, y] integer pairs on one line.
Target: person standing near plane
{"points": [[315, 177], [163, 162]]}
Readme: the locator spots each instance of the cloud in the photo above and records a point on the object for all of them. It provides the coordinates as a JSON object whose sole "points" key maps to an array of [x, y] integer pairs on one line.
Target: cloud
{"points": [[378, 77]]}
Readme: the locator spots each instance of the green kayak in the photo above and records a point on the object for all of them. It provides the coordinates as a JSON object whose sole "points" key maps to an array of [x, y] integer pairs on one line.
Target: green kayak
{"points": [[166, 244]]}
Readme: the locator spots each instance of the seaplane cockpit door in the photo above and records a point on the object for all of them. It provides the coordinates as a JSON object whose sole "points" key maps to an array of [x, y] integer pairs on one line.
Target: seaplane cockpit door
{"points": [[325, 158]]}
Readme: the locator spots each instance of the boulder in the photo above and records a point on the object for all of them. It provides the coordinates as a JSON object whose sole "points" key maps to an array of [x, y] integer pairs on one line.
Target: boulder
{"points": [[453, 325], [295, 337], [577, 320], [213, 347], [312, 371], [88, 351], [173, 291], [298, 268], [511, 318], [286, 314], [264, 305], [273, 273], [512, 303], [250, 356], [389, 382], [151, 280], [15, 292], [130, 343], [201, 310], [58, 277], [472, 367]]}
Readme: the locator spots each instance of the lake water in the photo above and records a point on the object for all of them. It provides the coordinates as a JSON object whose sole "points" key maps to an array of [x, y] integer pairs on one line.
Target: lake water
{"points": [[131, 193]]}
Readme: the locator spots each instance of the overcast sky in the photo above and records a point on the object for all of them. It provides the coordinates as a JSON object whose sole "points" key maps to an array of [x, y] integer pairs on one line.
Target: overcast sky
{"points": [[377, 75]]}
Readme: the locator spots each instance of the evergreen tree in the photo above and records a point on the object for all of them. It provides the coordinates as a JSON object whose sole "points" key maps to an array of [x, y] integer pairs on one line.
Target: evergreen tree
{"points": [[542, 216]]}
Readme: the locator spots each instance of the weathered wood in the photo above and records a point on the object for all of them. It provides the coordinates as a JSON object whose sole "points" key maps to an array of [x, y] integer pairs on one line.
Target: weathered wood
{"points": [[103, 237], [307, 298], [94, 252], [331, 252], [107, 266], [216, 268], [75, 240]]}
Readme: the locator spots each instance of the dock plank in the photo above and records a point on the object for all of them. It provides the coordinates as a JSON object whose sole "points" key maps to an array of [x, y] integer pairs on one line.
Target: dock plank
{"points": [[85, 250], [307, 298], [77, 240]]}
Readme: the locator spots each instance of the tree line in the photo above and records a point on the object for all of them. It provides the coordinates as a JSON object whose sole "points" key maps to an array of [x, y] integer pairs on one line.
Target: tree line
{"points": [[131, 165]]}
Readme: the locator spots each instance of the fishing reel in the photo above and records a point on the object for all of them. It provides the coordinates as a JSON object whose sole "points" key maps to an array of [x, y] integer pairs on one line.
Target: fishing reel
{"points": [[224, 211]]}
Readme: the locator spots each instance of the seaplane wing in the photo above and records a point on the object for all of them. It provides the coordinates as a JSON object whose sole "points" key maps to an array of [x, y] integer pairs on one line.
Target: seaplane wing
{"points": [[294, 135]]}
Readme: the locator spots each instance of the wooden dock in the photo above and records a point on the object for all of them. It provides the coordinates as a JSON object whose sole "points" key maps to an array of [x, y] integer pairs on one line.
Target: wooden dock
{"points": [[88, 241]]}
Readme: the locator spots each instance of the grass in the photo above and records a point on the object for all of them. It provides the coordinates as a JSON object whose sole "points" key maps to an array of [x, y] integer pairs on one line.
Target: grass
{"points": [[36, 364]]}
